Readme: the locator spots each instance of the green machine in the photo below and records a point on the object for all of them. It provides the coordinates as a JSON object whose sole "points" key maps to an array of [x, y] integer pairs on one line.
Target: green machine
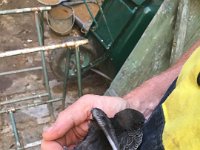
{"points": [[114, 33]]}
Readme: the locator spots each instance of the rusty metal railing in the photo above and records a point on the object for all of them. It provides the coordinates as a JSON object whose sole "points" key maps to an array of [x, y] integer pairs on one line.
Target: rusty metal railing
{"points": [[38, 11]]}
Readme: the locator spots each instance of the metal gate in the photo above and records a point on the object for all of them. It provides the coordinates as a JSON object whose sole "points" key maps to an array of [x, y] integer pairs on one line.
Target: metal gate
{"points": [[39, 13]]}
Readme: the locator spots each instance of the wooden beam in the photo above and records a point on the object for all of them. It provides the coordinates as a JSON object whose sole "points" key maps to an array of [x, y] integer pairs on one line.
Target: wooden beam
{"points": [[180, 31]]}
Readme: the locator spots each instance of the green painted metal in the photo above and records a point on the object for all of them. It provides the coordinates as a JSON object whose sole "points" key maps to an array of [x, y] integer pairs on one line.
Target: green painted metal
{"points": [[114, 24], [20, 71], [91, 15], [79, 78], [39, 12], [84, 59], [2, 111], [12, 101], [138, 2], [14, 128], [133, 31], [67, 64], [121, 23], [40, 33]]}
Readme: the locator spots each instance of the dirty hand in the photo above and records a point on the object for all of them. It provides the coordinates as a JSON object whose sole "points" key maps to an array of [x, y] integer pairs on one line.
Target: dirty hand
{"points": [[72, 124]]}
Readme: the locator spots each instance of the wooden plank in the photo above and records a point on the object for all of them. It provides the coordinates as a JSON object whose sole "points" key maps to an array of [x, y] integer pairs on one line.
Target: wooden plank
{"points": [[193, 29], [180, 31]]}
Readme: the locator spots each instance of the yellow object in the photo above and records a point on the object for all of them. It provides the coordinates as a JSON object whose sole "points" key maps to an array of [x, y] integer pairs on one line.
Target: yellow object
{"points": [[182, 109]]}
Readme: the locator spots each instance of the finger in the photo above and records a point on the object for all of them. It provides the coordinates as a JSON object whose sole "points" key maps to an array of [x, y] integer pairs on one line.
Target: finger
{"points": [[74, 115], [76, 134], [50, 145]]}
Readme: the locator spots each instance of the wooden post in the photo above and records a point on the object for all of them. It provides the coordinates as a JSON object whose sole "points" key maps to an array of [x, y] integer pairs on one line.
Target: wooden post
{"points": [[180, 31]]}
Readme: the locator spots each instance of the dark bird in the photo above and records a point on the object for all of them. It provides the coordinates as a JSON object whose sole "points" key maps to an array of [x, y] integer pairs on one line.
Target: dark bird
{"points": [[122, 132]]}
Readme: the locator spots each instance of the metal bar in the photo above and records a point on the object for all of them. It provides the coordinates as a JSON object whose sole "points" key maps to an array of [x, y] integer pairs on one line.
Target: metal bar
{"points": [[14, 128], [41, 43], [39, 27], [20, 71], [78, 66], [44, 48], [12, 119], [105, 20], [42, 25], [101, 40], [31, 105], [97, 61], [101, 74], [92, 16], [23, 99], [34, 144], [24, 10], [76, 3], [66, 76]]}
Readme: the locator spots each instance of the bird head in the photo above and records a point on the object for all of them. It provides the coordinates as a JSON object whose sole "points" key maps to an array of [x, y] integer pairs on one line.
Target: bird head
{"points": [[129, 119]]}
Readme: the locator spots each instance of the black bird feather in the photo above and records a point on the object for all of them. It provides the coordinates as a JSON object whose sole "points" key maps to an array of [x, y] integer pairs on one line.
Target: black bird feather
{"points": [[122, 132]]}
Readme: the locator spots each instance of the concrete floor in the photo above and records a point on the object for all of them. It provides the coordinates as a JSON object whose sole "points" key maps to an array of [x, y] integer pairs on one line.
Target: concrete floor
{"points": [[16, 32]]}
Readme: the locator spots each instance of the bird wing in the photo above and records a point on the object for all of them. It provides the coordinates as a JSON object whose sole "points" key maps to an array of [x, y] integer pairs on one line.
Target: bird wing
{"points": [[130, 140], [105, 124]]}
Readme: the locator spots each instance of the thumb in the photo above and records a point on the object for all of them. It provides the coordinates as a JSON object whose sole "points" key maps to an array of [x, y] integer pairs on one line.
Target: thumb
{"points": [[71, 117]]}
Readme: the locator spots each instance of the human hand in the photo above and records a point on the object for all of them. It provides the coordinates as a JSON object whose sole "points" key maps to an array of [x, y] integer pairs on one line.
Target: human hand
{"points": [[71, 125]]}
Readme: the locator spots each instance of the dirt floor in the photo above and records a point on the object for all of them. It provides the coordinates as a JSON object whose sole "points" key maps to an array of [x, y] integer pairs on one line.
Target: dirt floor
{"points": [[19, 31]]}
